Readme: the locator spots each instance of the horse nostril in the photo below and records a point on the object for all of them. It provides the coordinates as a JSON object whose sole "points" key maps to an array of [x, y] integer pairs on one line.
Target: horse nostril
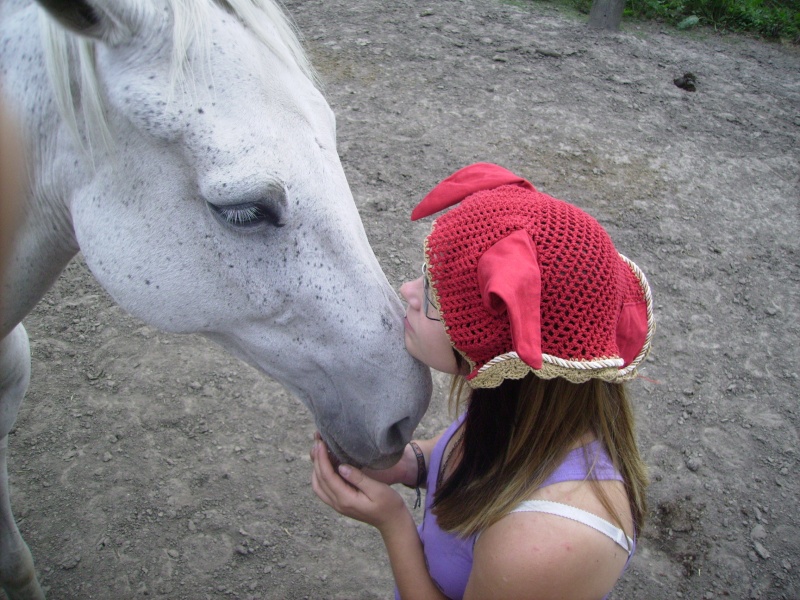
{"points": [[397, 436]]}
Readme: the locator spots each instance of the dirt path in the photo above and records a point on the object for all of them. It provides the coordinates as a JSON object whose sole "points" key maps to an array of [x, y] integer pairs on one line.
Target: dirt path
{"points": [[149, 464]]}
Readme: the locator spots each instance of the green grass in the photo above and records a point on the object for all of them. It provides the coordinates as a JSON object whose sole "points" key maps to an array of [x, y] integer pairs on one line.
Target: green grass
{"points": [[770, 19]]}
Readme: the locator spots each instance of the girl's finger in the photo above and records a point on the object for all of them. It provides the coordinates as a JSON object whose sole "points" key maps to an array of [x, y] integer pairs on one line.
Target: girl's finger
{"points": [[333, 485], [321, 493], [325, 482], [322, 463], [318, 482]]}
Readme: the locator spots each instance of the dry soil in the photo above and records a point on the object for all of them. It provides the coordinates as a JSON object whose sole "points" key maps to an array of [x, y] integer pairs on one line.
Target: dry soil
{"points": [[145, 464]]}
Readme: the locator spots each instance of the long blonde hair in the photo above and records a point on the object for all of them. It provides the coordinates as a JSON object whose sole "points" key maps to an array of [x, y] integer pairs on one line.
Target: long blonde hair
{"points": [[515, 435]]}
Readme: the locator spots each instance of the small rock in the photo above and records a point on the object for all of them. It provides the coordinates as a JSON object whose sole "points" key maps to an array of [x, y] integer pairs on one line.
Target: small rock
{"points": [[758, 532], [761, 551], [694, 464], [107, 456], [786, 564], [173, 553], [686, 82], [242, 550], [548, 53], [70, 562]]}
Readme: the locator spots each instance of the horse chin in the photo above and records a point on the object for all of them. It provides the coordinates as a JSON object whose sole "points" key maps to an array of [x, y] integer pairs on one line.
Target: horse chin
{"points": [[338, 457], [386, 461]]}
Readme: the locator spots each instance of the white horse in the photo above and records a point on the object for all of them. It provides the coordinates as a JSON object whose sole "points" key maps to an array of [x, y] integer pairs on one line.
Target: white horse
{"points": [[183, 147]]}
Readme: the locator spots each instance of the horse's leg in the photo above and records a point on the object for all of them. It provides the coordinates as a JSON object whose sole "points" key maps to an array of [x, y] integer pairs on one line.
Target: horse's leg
{"points": [[17, 574]]}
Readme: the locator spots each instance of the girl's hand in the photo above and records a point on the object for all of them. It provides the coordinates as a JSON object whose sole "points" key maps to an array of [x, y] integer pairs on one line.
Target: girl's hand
{"points": [[403, 471], [353, 494]]}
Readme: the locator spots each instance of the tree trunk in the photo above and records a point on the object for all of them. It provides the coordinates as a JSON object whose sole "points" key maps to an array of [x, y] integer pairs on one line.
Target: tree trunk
{"points": [[606, 14]]}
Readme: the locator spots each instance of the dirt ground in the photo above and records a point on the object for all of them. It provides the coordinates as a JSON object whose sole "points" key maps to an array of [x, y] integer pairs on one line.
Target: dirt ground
{"points": [[146, 464]]}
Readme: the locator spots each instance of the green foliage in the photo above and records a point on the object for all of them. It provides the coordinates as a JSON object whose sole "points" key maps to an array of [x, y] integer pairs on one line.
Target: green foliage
{"points": [[768, 18], [583, 6], [772, 19]]}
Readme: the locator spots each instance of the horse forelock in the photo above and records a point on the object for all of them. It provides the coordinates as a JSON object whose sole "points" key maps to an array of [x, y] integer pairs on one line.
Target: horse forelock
{"points": [[70, 58]]}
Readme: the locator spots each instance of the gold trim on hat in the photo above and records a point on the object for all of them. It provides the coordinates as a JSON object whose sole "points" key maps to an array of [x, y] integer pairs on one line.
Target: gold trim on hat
{"points": [[510, 366]]}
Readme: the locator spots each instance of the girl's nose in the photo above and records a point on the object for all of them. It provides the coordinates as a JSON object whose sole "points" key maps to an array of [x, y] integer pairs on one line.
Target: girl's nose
{"points": [[409, 292]]}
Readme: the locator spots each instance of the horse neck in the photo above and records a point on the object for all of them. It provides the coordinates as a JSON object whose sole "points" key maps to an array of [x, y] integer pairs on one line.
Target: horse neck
{"points": [[45, 241], [44, 244]]}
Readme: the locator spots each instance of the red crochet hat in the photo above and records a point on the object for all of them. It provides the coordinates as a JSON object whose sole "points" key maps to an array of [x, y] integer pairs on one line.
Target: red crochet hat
{"points": [[525, 282]]}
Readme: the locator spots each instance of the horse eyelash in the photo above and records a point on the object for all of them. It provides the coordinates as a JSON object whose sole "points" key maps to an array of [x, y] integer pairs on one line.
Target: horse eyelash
{"points": [[241, 215]]}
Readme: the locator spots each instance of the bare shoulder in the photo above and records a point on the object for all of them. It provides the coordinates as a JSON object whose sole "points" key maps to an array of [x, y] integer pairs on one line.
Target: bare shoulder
{"points": [[537, 555]]}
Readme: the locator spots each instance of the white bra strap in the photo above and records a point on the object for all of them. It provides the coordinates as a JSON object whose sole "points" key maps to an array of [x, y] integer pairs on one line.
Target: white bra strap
{"points": [[579, 515]]}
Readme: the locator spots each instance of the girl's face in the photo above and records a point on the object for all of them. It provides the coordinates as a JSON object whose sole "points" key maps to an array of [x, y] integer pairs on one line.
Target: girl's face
{"points": [[426, 339]]}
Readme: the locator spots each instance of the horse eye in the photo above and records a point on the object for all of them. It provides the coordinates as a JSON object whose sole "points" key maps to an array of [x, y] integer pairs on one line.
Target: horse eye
{"points": [[247, 216]]}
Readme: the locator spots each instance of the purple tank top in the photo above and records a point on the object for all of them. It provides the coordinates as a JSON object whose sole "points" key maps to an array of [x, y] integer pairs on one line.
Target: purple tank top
{"points": [[449, 557]]}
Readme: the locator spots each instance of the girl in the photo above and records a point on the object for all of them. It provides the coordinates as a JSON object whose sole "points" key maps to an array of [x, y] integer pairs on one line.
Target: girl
{"points": [[537, 490]]}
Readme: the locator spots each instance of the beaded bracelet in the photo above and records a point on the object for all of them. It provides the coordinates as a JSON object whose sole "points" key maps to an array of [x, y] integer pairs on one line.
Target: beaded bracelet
{"points": [[422, 472]]}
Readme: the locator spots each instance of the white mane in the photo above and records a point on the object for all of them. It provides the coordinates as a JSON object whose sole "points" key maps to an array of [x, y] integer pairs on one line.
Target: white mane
{"points": [[70, 58]]}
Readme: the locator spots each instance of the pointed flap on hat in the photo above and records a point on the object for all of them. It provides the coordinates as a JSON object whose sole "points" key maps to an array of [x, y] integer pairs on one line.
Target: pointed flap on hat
{"points": [[510, 282], [632, 330], [634, 323], [463, 183]]}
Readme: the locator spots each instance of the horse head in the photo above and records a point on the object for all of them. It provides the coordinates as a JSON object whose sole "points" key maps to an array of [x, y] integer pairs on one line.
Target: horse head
{"points": [[193, 163]]}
